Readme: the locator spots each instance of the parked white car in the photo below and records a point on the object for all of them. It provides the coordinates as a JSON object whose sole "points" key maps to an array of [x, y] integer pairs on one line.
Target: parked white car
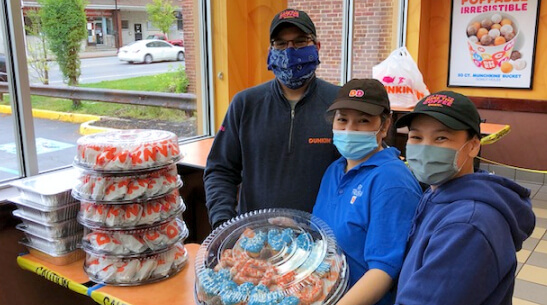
{"points": [[148, 51]]}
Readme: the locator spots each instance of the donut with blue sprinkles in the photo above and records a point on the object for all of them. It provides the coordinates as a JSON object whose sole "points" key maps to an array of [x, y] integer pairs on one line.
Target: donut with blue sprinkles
{"points": [[213, 282], [290, 300], [246, 288], [279, 239], [303, 241], [262, 296], [230, 294], [253, 245]]}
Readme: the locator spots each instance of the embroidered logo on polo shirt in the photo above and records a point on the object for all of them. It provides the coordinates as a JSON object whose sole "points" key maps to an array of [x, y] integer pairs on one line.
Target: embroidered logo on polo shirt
{"points": [[357, 192], [319, 140]]}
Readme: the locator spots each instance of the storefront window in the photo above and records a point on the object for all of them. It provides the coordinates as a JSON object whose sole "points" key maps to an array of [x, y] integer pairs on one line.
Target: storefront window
{"points": [[374, 28], [160, 93], [327, 16], [170, 90]]}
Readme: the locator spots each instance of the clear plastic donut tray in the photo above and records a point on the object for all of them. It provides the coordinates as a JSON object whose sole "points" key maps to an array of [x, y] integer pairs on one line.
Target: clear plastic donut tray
{"points": [[144, 269], [51, 245], [52, 189], [127, 150], [127, 188], [274, 256], [136, 241], [50, 230], [46, 213], [131, 215]]}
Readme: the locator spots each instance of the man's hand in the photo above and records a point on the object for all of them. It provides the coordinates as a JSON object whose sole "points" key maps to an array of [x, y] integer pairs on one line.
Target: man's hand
{"points": [[283, 221]]}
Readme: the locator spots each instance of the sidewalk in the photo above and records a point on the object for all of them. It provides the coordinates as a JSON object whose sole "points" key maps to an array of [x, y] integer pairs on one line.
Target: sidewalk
{"points": [[94, 52]]}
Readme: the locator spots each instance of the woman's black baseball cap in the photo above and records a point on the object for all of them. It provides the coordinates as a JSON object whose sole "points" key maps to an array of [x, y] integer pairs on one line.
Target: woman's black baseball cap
{"points": [[367, 95], [454, 110]]}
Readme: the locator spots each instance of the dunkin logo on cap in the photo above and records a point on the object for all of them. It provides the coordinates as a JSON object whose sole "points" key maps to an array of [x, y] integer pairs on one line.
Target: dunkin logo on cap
{"points": [[356, 93], [438, 100], [289, 14]]}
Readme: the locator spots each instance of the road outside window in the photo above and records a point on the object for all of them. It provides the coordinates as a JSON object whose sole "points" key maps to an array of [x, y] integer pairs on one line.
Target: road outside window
{"points": [[60, 120]]}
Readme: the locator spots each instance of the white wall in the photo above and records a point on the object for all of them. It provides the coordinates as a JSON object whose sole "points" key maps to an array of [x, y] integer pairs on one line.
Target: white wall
{"points": [[128, 35]]}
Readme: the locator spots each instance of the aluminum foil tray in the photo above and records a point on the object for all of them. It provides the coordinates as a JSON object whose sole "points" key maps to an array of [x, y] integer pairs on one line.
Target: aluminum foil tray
{"points": [[53, 257], [48, 214], [52, 189], [50, 230]]}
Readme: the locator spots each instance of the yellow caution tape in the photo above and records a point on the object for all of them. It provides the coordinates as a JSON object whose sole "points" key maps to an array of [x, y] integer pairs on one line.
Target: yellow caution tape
{"points": [[106, 299], [513, 167], [494, 137], [50, 275]]}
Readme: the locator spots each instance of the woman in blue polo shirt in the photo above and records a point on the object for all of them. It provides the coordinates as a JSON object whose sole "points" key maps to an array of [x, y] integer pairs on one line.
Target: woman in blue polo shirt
{"points": [[368, 196]]}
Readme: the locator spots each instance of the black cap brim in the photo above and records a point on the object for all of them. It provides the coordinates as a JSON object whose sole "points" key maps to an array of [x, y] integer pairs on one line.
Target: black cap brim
{"points": [[446, 120], [294, 22], [360, 106]]}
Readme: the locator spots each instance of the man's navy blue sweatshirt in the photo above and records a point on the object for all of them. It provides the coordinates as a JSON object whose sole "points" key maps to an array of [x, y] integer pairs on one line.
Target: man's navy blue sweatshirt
{"points": [[276, 155]]}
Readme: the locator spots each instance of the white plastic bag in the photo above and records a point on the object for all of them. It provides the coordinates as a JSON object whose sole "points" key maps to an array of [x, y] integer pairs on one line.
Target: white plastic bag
{"points": [[403, 81]]}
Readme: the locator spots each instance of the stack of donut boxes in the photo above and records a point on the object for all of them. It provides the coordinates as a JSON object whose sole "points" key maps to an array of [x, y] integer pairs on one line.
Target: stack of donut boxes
{"points": [[131, 212], [49, 214]]}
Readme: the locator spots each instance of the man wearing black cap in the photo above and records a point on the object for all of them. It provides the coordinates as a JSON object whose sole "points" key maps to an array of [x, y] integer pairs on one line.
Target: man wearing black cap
{"points": [[274, 143], [368, 196], [469, 224]]}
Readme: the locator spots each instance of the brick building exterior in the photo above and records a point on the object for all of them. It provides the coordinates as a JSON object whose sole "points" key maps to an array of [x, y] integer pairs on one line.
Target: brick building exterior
{"points": [[115, 23], [190, 59], [372, 34], [372, 39]]}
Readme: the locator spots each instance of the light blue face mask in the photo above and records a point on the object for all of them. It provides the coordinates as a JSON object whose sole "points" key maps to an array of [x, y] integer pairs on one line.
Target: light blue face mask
{"points": [[354, 145], [432, 165]]}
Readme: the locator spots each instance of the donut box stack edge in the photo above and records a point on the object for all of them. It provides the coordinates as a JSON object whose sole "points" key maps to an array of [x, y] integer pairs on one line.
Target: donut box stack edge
{"points": [[48, 215]]}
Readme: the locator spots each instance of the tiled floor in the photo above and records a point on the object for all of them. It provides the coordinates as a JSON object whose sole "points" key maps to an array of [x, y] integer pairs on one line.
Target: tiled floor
{"points": [[531, 283]]}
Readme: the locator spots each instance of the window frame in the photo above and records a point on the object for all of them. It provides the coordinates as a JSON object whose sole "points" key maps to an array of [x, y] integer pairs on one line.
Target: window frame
{"points": [[18, 83]]}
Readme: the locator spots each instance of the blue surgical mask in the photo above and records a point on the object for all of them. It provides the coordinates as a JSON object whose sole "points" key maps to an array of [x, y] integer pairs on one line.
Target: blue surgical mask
{"points": [[293, 67], [354, 145], [432, 165]]}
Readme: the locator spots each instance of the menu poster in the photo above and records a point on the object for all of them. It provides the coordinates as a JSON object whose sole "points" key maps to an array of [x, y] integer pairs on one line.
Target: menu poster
{"points": [[492, 43]]}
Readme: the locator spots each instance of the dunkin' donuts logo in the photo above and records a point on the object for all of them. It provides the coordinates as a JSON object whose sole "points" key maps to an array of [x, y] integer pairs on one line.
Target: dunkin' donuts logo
{"points": [[438, 101], [319, 140], [289, 14], [356, 93]]}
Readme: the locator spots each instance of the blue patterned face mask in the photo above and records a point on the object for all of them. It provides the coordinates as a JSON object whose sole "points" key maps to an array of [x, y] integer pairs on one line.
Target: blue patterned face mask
{"points": [[293, 67]]}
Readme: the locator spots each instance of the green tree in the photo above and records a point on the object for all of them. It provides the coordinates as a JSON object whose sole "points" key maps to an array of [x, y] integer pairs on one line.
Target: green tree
{"points": [[162, 14], [37, 47], [64, 24]]}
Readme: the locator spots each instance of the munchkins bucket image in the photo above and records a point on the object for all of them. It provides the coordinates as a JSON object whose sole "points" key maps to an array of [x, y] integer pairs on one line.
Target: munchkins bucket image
{"points": [[490, 39]]}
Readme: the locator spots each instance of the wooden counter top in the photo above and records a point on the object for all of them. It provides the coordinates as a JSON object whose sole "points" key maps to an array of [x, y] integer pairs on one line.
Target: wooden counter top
{"points": [[178, 289]]}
